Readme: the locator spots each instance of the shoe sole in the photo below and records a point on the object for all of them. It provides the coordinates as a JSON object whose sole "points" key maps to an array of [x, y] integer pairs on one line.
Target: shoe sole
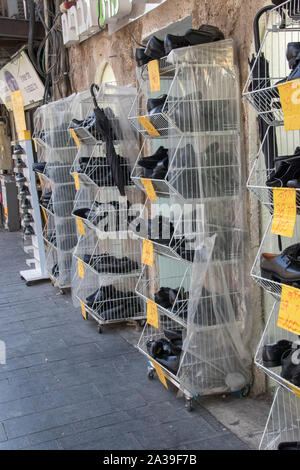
{"points": [[275, 278]]}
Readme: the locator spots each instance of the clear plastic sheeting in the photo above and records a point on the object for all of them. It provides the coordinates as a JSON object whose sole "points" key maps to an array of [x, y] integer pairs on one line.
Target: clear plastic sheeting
{"points": [[282, 431], [213, 350]]}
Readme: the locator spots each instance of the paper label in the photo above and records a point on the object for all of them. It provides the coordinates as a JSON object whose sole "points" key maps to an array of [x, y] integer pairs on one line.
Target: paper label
{"points": [[152, 314], [149, 189], [18, 111], [35, 144], [296, 390], [285, 211], [5, 211], [160, 373], [77, 182], [75, 137], [83, 311], [80, 226], [80, 269], [148, 126], [289, 312], [41, 179], [154, 76], [44, 214], [148, 252], [24, 135], [289, 93]]}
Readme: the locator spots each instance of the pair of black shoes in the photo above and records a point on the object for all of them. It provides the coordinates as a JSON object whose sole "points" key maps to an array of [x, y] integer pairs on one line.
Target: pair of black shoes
{"points": [[283, 268], [99, 171], [157, 48], [167, 350], [39, 167], [89, 124], [155, 166], [106, 263], [286, 354], [166, 297], [287, 173], [112, 304]]}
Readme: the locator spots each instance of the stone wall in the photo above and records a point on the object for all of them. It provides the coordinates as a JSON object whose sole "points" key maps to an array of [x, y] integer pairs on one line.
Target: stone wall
{"points": [[235, 19]]}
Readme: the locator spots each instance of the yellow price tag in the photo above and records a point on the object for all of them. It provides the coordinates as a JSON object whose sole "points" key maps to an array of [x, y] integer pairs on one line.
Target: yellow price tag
{"points": [[285, 211], [41, 179], [149, 189], [296, 390], [35, 144], [154, 76], [290, 104], [289, 311], [75, 137], [148, 252], [152, 314], [80, 226], [83, 310], [44, 214], [77, 182], [80, 269], [160, 373], [18, 111], [148, 126], [5, 211]]}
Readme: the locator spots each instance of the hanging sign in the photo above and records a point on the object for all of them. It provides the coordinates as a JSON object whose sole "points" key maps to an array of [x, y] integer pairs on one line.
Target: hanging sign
{"points": [[77, 182], [289, 312], [80, 226], [160, 373], [148, 185], [83, 311], [154, 76], [80, 269], [289, 93], [148, 126], [285, 211], [148, 252], [152, 314], [18, 111]]}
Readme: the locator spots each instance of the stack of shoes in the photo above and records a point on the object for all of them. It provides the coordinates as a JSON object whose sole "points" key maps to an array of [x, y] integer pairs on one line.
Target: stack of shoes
{"points": [[167, 350], [106, 263], [284, 354], [287, 173], [283, 268], [112, 304], [99, 171], [157, 48], [155, 166], [293, 58]]}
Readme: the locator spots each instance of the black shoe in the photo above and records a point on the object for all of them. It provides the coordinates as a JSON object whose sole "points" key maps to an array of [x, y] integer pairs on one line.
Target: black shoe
{"points": [[83, 212], [287, 170], [173, 335], [24, 191], [293, 54], [203, 35], [111, 264], [151, 162], [39, 167], [18, 150], [272, 353], [102, 294], [155, 105], [290, 361], [20, 178], [161, 169], [155, 48], [28, 230], [141, 58], [26, 204], [170, 362], [28, 218], [20, 163], [283, 268], [292, 445]]}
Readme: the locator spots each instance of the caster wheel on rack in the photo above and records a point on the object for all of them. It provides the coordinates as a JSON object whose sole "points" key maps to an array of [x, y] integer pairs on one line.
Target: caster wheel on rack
{"points": [[189, 404], [61, 291], [150, 374], [100, 331], [28, 283]]}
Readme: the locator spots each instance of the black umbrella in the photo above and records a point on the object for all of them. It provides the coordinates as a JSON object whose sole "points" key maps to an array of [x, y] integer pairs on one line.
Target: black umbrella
{"points": [[260, 80], [107, 133]]}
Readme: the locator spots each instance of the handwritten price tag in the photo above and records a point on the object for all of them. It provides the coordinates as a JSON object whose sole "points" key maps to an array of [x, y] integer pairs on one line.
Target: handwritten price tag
{"points": [[75, 137], [285, 211], [18, 111], [149, 189], [77, 182], [41, 179], [80, 226], [83, 311], [289, 93], [154, 77], [152, 314], [148, 252], [80, 269], [289, 312], [35, 144], [45, 214], [160, 373], [148, 126]]}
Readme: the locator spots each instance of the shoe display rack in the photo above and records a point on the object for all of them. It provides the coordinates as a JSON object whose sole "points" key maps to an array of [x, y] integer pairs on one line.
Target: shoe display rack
{"points": [[190, 168], [277, 166], [30, 215], [107, 259], [56, 151]]}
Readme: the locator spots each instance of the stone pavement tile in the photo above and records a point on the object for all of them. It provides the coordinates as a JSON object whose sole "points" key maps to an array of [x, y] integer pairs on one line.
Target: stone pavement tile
{"points": [[2, 433], [14, 444], [22, 362], [226, 442], [120, 442], [50, 445], [15, 408], [164, 411]]}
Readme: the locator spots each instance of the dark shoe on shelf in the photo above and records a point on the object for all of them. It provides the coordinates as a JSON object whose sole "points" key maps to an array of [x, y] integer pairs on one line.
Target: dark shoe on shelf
{"points": [[151, 162], [283, 268], [26, 204], [192, 37], [292, 445], [161, 169], [293, 54], [287, 171], [290, 362], [39, 167], [20, 178], [20, 163], [28, 218], [141, 58], [155, 105], [24, 191], [18, 150], [272, 353], [155, 48], [28, 230]]}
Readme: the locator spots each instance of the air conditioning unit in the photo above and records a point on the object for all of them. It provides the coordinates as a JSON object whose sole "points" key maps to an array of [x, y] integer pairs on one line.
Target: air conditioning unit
{"points": [[15, 9]]}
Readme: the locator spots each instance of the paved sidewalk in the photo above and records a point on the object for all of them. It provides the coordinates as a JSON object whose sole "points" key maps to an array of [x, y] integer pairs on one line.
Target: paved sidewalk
{"points": [[64, 386]]}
